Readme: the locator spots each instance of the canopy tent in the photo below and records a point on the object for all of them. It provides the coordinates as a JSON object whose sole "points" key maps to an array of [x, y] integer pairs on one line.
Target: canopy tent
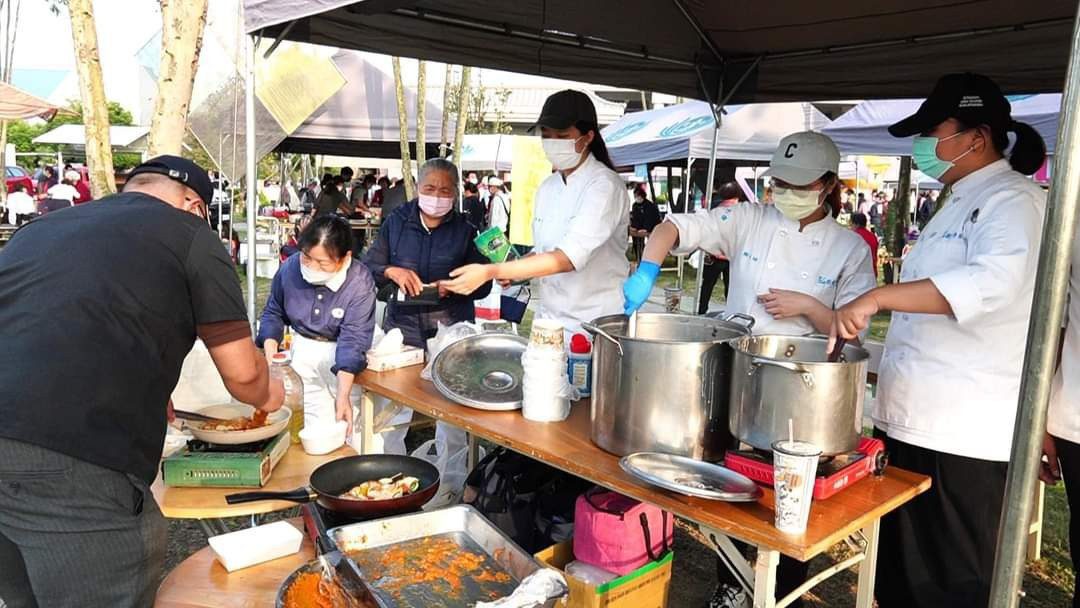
{"points": [[16, 104], [361, 119], [122, 138], [487, 152], [790, 51], [747, 132], [864, 128]]}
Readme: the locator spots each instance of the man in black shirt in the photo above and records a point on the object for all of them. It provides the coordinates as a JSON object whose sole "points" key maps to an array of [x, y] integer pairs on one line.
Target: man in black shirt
{"points": [[99, 305], [471, 206]]}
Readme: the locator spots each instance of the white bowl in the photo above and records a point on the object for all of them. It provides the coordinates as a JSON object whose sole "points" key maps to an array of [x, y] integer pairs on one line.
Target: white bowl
{"points": [[323, 438]]}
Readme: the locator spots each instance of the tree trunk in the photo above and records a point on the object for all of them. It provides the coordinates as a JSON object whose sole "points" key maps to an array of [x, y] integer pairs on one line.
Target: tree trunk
{"points": [[902, 204], [445, 126], [421, 114], [99, 159], [182, 25], [4, 162], [462, 113], [10, 10], [403, 131]]}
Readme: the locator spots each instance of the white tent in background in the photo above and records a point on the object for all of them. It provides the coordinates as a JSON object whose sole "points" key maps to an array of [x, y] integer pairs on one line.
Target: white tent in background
{"points": [[748, 132], [864, 128], [487, 153]]}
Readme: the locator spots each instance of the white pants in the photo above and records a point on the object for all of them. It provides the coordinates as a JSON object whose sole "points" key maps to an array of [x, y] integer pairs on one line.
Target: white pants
{"points": [[313, 361]]}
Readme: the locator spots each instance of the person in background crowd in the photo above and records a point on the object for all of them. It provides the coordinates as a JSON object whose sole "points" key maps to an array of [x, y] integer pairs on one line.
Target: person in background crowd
{"points": [[876, 212], [965, 295], [331, 199], [716, 265], [644, 216], [858, 224], [925, 210], [394, 198], [48, 180], [39, 171], [142, 276], [20, 206], [418, 245], [81, 188], [580, 222], [498, 206], [292, 247], [861, 206], [308, 195], [328, 299], [65, 190], [380, 192], [472, 179], [472, 207], [359, 196], [346, 174], [485, 192]]}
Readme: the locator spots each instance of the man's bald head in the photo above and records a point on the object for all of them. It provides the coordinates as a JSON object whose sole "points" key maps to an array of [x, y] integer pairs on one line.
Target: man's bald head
{"points": [[169, 190]]}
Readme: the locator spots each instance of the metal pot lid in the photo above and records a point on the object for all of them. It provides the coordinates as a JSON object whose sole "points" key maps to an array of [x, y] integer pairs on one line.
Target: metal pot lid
{"points": [[482, 371], [690, 477]]}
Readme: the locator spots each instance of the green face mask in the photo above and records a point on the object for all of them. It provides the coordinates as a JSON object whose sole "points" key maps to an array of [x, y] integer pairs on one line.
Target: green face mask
{"points": [[924, 153]]}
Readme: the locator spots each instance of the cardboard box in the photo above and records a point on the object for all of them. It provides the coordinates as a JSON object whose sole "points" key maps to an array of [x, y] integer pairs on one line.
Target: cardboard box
{"points": [[409, 355], [646, 587]]}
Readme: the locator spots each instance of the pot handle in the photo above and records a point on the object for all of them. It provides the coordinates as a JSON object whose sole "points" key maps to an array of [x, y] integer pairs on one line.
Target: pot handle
{"points": [[747, 320], [589, 327], [807, 376], [300, 495]]}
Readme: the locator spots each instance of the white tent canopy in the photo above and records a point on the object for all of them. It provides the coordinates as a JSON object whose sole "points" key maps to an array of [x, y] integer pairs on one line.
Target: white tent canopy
{"points": [[123, 138], [487, 152], [747, 132], [864, 128], [361, 119]]}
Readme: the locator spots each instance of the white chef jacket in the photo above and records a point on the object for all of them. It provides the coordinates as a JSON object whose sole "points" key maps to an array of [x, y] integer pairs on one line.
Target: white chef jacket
{"points": [[586, 217], [19, 203], [767, 251], [1063, 419], [950, 382], [63, 191]]}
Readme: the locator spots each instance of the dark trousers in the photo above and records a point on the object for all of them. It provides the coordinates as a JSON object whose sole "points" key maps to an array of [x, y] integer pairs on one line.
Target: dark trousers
{"points": [[1069, 458], [716, 270], [938, 549], [638, 245], [74, 534]]}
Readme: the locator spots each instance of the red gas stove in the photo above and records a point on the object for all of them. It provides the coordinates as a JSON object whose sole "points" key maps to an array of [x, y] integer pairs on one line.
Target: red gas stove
{"points": [[834, 472]]}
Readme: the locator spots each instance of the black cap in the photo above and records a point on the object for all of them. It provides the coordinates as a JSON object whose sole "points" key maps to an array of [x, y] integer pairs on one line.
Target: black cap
{"points": [[971, 98], [180, 169], [564, 109]]}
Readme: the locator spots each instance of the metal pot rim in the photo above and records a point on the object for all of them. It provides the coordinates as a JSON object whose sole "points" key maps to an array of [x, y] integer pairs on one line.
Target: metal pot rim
{"points": [[600, 321], [864, 354]]}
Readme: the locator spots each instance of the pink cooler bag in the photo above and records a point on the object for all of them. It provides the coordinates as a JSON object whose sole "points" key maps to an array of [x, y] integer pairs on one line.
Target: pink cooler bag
{"points": [[618, 533]]}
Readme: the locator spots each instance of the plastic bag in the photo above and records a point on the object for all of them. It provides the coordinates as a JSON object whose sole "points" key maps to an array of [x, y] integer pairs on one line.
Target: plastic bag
{"points": [[545, 386], [537, 588], [449, 452], [446, 335]]}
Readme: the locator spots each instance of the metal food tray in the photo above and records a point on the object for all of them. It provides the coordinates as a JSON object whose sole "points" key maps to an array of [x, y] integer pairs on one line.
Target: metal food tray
{"points": [[461, 521]]}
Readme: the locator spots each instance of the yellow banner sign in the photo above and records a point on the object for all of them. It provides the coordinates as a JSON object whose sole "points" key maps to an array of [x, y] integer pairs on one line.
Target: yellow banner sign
{"points": [[292, 84], [529, 169]]}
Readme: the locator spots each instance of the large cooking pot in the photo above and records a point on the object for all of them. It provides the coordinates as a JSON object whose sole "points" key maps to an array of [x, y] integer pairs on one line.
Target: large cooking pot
{"points": [[774, 378], [666, 389]]}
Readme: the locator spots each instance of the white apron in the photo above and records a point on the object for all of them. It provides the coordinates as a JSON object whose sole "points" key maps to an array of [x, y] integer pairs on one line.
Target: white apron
{"points": [[313, 360]]}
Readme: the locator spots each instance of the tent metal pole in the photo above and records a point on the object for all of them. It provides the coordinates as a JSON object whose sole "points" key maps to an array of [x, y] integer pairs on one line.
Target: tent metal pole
{"points": [[705, 205], [251, 177], [1048, 309], [700, 32]]}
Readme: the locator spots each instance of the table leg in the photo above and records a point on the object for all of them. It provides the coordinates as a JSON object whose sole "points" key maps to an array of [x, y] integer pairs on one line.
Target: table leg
{"points": [[367, 420], [474, 452], [864, 597], [765, 578]]}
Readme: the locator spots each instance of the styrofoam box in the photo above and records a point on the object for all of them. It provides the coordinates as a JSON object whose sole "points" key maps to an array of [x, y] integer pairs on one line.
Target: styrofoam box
{"points": [[237, 550]]}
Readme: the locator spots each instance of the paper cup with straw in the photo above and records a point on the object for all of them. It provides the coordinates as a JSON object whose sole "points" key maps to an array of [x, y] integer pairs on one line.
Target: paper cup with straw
{"points": [[794, 471]]}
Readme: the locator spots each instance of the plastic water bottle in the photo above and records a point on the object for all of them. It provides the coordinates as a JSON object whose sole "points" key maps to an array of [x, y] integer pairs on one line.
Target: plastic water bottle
{"points": [[579, 364], [294, 391]]}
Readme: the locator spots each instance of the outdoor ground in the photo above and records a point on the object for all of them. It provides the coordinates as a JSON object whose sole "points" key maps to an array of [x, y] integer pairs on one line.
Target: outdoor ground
{"points": [[1048, 582]]}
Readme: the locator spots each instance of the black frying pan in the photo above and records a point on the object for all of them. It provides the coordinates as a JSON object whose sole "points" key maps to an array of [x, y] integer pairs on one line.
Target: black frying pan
{"points": [[331, 480]]}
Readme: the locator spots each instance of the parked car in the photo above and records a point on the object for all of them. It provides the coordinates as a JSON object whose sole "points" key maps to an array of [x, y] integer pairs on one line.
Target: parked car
{"points": [[18, 175]]}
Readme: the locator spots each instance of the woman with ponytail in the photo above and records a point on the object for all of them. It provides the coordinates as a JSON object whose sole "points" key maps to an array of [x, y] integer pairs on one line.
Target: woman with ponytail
{"points": [[949, 381], [580, 222]]}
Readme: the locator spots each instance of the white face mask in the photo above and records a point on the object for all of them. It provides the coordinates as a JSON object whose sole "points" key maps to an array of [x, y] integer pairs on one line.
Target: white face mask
{"points": [[315, 277], [561, 153], [796, 204]]}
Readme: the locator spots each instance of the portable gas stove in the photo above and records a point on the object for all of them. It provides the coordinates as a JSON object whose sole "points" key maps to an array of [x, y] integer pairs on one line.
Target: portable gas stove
{"points": [[834, 472]]}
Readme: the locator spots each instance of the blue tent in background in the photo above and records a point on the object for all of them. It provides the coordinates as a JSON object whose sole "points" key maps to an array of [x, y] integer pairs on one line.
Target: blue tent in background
{"points": [[864, 128]]}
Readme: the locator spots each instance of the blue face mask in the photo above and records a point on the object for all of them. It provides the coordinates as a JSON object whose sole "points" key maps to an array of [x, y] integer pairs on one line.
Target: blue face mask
{"points": [[924, 153]]}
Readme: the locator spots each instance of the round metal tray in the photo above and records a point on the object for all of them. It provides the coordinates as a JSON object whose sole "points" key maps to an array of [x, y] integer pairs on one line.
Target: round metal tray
{"points": [[690, 477], [482, 371]]}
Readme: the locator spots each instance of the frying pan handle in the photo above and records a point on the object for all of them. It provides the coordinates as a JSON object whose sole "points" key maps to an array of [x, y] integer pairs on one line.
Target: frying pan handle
{"points": [[589, 327], [300, 495]]}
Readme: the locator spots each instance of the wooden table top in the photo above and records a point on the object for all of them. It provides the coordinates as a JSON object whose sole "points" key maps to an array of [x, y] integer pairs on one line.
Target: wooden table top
{"points": [[201, 582], [209, 503], [566, 446]]}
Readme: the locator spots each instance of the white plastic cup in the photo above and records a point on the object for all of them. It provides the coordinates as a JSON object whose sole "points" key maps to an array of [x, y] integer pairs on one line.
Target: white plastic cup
{"points": [[547, 332], [794, 471]]}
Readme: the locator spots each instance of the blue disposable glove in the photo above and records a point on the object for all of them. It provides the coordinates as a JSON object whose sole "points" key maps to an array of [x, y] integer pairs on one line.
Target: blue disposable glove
{"points": [[637, 288]]}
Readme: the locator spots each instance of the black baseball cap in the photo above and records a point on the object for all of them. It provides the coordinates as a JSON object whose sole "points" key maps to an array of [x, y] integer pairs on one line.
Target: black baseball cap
{"points": [[180, 169], [971, 98], [564, 109]]}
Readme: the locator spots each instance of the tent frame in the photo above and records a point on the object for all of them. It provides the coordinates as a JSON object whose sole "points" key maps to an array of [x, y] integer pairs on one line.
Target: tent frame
{"points": [[1048, 303]]}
